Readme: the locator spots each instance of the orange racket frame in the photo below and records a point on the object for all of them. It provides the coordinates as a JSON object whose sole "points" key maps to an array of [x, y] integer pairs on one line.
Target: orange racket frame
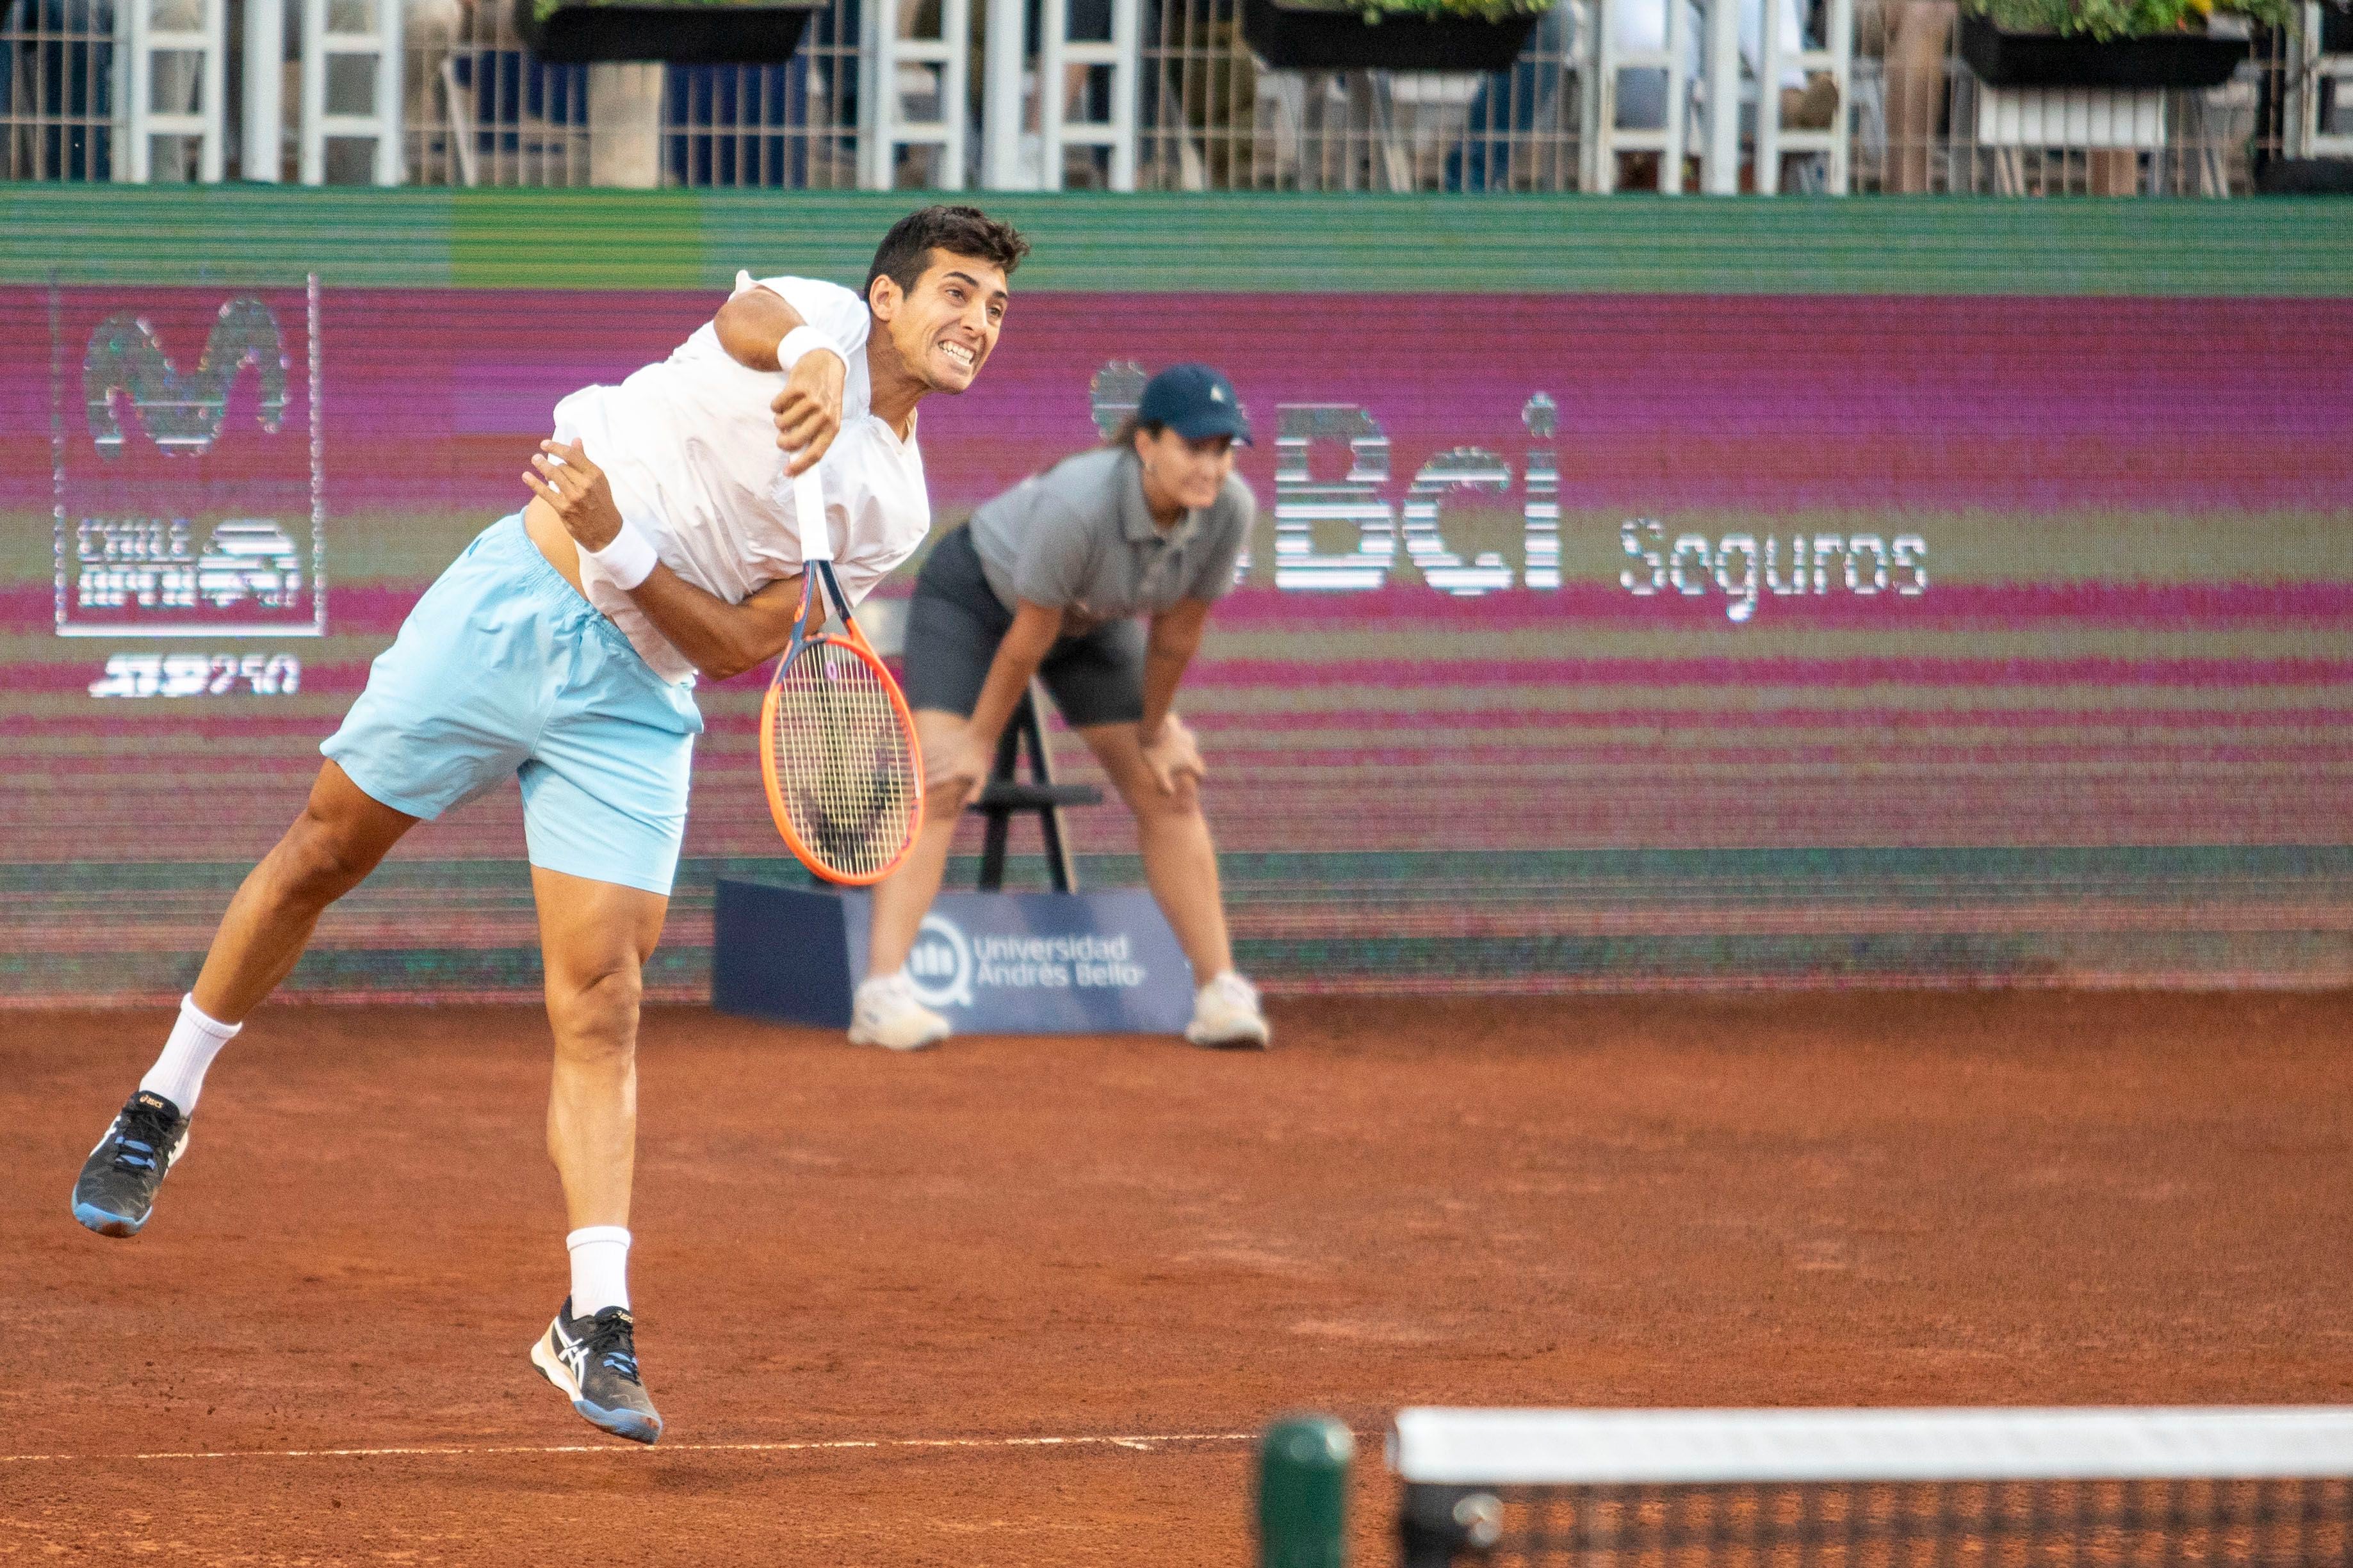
{"points": [[816, 567]]}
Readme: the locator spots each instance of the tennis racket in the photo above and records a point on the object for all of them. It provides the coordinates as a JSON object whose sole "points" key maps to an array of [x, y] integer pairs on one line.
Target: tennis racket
{"points": [[838, 747]]}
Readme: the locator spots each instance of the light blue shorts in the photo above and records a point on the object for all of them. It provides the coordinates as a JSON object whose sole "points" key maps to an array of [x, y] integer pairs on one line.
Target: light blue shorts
{"points": [[502, 671]]}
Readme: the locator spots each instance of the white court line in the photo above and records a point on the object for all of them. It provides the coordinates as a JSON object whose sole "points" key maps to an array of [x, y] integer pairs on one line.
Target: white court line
{"points": [[1140, 1442]]}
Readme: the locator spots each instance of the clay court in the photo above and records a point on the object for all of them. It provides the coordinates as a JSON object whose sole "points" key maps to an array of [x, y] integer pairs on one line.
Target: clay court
{"points": [[1024, 1302]]}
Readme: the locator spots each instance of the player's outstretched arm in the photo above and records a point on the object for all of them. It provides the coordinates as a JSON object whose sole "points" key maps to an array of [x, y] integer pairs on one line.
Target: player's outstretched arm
{"points": [[718, 638], [757, 329]]}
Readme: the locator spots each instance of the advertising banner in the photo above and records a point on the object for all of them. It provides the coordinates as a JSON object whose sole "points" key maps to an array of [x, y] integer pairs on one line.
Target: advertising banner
{"points": [[1919, 629], [991, 964]]}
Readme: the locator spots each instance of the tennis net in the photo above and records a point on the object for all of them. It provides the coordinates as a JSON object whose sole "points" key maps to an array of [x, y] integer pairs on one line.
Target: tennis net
{"points": [[2265, 1488]]}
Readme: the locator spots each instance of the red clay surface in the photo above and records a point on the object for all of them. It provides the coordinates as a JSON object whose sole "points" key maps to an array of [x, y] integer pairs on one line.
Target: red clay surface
{"points": [[1804, 1199]]}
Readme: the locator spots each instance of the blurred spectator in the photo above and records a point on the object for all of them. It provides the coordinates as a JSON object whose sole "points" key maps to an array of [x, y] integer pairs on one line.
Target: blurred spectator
{"points": [[433, 30], [1919, 41], [1530, 90]]}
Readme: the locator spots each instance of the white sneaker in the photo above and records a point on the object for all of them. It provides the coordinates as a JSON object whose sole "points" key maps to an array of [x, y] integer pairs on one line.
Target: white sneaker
{"points": [[1226, 1013], [885, 1013]]}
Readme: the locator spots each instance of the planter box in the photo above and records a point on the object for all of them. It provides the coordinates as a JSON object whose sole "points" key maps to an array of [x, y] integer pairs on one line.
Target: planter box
{"points": [[2045, 59], [683, 34], [1291, 38], [2305, 177]]}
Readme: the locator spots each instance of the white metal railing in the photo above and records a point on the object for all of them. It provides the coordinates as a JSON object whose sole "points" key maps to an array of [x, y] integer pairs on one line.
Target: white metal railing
{"points": [[913, 88], [178, 68], [1096, 77], [1658, 61], [1830, 61], [351, 86], [57, 98], [2320, 97], [1151, 94]]}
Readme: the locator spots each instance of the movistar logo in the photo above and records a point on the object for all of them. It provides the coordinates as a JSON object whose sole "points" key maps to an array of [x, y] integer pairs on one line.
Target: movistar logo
{"points": [[182, 414]]}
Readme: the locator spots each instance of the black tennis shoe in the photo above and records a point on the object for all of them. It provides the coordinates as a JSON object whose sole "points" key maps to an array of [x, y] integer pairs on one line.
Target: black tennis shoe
{"points": [[594, 1361], [118, 1182]]}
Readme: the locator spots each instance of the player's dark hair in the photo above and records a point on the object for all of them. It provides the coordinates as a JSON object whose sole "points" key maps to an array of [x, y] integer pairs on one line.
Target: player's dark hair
{"points": [[907, 249], [1124, 436]]}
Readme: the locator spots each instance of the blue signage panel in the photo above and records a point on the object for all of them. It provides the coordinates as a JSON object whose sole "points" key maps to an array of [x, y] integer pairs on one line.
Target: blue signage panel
{"points": [[781, 953], [994, 964]]}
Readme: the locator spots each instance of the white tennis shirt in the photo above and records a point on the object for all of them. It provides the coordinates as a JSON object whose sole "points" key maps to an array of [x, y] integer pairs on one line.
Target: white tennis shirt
{"points": [[690, 446]]}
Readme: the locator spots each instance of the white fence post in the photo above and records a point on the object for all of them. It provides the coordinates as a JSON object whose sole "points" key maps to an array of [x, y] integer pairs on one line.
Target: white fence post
{"points": [[1720, 159], [1007, 59], [265, 90], [1054, 37], [1127, 49], [1678, 113]]}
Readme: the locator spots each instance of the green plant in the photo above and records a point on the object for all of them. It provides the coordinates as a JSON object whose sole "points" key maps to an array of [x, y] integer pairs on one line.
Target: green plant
{"points": [[1372, 11], [2123, 18]]}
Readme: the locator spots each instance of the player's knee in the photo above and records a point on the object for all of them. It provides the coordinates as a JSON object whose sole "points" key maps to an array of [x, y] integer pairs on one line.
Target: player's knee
{"points": [[596, 1015], [1150, 801], [316, 863]]}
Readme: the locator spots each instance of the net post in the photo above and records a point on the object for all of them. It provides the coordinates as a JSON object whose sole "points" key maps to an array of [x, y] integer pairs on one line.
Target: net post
{"points": [[1303, 1493]]}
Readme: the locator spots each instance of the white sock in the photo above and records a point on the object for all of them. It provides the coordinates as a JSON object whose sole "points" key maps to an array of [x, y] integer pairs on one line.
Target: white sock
{"points": [[600, 1268], [178, 1074]]}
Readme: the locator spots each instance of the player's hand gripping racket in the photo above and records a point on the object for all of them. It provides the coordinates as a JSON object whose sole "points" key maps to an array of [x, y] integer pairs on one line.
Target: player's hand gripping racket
{"points": [[837, 746]]}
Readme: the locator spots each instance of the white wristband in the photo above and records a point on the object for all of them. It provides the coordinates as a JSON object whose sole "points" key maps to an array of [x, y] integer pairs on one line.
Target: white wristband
{"points": [[629, 560], [802, 341]]}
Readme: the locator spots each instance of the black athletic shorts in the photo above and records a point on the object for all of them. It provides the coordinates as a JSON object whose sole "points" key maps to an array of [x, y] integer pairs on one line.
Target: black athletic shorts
{"points": [[954, 623]]}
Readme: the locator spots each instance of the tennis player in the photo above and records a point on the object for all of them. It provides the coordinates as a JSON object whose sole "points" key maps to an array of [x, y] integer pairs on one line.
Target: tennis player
{"points": [[561, 649], [1054, 579]]}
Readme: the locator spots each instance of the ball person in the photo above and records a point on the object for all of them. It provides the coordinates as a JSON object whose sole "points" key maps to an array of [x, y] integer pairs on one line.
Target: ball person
{"points": [[1056, 579]]}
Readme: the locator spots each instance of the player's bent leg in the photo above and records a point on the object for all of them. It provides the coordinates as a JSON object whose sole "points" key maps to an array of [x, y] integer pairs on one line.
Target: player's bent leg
{"points": [[885, 1010], [596, 938], [1180, 865], [340, 838]]}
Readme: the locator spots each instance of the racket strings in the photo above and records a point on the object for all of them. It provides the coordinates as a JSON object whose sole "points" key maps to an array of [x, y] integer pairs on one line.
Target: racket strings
{"points": [[844, 767]]}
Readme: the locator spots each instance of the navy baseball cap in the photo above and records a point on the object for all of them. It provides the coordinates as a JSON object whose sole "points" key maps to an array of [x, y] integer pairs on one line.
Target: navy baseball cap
{"points": [[1196, 401]]}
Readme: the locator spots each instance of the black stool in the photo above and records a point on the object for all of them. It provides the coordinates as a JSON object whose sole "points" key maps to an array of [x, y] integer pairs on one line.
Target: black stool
{"points": [[1005, 795]]}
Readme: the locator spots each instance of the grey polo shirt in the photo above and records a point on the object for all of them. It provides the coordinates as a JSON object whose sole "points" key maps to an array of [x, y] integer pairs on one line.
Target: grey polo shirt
{"points": [[1078, 538]]}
